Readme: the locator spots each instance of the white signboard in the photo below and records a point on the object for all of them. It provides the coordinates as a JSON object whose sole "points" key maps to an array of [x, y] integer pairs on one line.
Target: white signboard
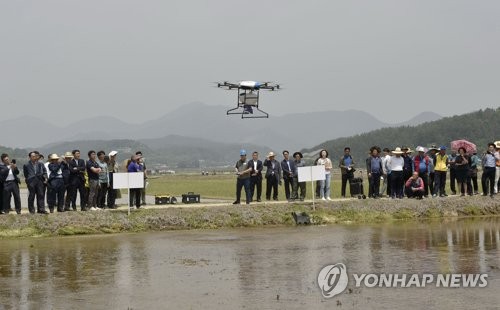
{"points": [[128, 180], [311, 173]]}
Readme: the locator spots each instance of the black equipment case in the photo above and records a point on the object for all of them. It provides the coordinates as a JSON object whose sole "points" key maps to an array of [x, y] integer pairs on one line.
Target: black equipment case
{"points": [[356, 188], [190, 197], [164, 199]]}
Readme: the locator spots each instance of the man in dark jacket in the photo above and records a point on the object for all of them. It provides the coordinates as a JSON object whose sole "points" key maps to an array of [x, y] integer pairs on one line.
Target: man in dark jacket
{"points": [[10, 183], [255, 176], [346, 165], [287, 168], [77, 180], [408, 166], [57, 169], [296, 184], [35, 175], [273, 176]]}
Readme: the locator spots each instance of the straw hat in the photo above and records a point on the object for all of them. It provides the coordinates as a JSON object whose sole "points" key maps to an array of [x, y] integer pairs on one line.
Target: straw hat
{"points": [[53, 157], [68, 155], [497, 144], [271, 154], [397, 151], [433, 147], [407, 150], [112, 153], [420, 149]]}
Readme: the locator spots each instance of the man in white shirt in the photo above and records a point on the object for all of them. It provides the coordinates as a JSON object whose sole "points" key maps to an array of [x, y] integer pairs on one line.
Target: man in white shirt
{"points": [[386, 173], [395, 165]]}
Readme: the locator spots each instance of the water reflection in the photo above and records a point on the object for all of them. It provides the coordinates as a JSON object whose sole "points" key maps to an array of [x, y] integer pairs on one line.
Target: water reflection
{"points": [[244, 268]]}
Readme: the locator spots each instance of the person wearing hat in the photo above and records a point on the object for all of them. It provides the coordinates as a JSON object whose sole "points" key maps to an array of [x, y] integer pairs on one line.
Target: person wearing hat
{"points": [[396, 163], [489, 170], [255, 176], [288, 170], [346, 165], [422, 165], [273, 176], [112, 168], [440, 171], [408, 164], [77, 169], [55, 185], [68, 156], [35, 176], [243, 171], [298, 162]]}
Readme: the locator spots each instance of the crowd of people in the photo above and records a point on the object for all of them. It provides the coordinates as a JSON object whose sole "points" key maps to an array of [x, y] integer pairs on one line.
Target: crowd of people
{"points": [[58, 181], [396, 173]]}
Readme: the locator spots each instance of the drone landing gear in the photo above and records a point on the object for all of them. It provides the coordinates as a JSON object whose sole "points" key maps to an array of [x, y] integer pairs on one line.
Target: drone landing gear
{"points": [[247, 111], [248, 105]]}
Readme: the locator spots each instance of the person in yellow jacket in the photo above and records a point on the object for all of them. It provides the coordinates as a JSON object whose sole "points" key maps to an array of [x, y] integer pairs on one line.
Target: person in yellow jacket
{"points": [[440, 169]]}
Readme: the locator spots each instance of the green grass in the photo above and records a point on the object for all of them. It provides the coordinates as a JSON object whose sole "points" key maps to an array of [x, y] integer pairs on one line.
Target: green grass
{"points": [[224, 186], [218, 186]]}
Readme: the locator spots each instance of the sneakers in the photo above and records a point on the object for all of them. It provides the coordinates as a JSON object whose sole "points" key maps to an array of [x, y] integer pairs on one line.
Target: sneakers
{"points": [[93, 209], [328, 198], [323, 198]]}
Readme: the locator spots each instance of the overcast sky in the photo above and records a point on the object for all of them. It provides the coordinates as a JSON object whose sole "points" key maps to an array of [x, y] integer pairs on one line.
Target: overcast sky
{"points": [[137, 60]]}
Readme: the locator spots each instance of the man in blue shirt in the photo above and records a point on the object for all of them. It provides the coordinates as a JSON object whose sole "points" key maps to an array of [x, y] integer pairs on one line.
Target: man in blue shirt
{"points": [[346, 165], [374, 170], [135, 193]]}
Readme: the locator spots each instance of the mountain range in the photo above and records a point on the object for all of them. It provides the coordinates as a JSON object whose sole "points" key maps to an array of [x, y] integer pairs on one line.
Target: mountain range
{"points": [[207, 122], [479, 127]]}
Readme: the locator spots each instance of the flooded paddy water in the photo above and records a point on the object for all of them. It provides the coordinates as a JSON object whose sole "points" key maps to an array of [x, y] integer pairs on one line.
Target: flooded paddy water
{"points": [[264, 268]]}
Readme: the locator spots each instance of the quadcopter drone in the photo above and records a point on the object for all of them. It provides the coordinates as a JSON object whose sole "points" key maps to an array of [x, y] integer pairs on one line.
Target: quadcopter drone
{"points": [[247, 104]]}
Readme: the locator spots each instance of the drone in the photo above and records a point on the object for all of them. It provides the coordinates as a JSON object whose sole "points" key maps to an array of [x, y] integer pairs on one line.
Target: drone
{"points": [[247, 104]]}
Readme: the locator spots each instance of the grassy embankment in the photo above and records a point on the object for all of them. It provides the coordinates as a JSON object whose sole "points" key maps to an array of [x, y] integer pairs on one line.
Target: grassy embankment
{"points": [[210, 217]]}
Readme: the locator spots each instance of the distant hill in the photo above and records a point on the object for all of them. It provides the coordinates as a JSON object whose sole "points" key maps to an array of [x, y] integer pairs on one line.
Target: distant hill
{"points": [[173, 150], [209, 122], [478, 127]]}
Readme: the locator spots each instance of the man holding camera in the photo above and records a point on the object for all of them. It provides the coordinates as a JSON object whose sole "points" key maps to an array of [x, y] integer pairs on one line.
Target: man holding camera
{"points": [[9, 177]]}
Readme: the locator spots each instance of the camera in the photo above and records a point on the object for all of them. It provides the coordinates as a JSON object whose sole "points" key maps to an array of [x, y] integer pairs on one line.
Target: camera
{"points": [[13, 161]]}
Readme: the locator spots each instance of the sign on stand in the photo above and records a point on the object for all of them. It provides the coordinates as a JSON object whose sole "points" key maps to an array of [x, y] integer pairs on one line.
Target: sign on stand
{"points": [[128, 180], [312, 173]]}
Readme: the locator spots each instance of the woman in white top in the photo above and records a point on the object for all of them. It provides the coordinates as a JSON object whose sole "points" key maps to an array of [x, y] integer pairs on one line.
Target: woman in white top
{"points": [[323, 160], [396, 164]]}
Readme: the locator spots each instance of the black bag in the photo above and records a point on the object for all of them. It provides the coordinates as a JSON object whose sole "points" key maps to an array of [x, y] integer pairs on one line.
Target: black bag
{"points": [[356, 187]]}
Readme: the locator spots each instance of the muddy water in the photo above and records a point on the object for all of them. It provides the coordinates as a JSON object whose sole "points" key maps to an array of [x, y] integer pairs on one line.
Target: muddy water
{"points": [[270, 268]]}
